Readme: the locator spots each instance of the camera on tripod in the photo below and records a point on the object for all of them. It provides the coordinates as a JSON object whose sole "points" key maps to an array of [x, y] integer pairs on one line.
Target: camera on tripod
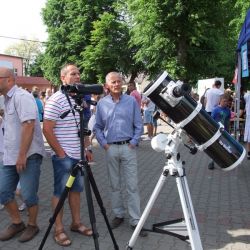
{"points": [[77, 91], [83, 89]]}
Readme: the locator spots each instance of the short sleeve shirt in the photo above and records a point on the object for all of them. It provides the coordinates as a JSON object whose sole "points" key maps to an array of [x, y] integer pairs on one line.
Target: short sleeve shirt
{"points": [[20, 106], [66, 129], [213, 98]]}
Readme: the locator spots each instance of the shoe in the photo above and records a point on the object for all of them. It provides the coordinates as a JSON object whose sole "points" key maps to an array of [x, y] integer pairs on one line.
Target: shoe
{"points": [[116, 222], [61, 238], [81, 229], [142, 233], [211, 165], [147, 139], [22, 207], [1, 206], [29, 233], [11, 231]]}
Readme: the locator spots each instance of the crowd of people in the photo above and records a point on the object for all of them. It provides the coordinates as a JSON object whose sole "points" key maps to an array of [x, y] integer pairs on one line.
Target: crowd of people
{"points": [[23, 152], [220, 105], [117, 122]]}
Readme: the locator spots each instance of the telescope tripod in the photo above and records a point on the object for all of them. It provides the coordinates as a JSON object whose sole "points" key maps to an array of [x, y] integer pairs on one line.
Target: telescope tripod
{"points": [[89, 182], [174, 167]]}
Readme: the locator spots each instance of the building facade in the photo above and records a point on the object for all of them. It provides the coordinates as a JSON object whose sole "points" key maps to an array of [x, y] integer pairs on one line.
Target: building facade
{"points": [[26, 82]]}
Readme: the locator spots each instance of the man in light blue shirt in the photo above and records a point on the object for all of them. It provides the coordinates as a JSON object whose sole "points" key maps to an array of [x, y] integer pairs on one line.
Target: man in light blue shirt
{"points": [[118, 130]]}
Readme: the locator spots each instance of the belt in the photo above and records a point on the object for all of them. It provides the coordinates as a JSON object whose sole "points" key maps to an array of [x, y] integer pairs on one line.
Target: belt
{"points": [[120, 142]]}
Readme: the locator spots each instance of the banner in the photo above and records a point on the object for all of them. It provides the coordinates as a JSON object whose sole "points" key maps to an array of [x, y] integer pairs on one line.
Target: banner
{"points": [[244, 61]]}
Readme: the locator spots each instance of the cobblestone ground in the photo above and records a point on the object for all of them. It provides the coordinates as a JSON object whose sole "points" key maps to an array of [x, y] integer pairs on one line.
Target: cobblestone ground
{"points": [[221, 202]]}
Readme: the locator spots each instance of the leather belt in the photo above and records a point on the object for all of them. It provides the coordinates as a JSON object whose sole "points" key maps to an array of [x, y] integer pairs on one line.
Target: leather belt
{"points": [[120, 142]]}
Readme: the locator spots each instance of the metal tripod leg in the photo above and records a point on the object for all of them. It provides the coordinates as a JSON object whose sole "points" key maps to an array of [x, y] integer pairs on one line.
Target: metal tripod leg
{"points": [[148, 208], [100, 203], [187, 207], [90, 205], [188, 212]]}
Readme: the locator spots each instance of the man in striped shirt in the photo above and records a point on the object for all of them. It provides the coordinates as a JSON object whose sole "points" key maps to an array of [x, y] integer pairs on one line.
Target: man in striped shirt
{"points": [[63, 137]]}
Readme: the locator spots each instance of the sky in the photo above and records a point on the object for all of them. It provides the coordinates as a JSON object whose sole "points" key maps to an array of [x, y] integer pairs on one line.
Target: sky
{"points": [[21, 19]]}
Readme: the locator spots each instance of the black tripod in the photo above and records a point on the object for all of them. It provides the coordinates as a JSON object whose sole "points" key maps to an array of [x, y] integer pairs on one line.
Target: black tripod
{"points": [[85, 170]]}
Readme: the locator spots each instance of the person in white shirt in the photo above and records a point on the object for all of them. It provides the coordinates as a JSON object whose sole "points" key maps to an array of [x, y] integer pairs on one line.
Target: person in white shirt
{"points": [[212, 96], [22, 158]]}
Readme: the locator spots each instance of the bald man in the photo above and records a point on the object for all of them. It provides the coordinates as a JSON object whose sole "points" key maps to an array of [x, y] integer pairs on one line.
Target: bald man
{"points": [[23, 153]]}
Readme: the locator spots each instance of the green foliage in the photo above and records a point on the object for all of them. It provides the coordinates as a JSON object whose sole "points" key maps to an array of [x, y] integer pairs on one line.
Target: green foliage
{"points": [[69, 23], [187, 38], [191, 39], [108, 49], [35, 68]]}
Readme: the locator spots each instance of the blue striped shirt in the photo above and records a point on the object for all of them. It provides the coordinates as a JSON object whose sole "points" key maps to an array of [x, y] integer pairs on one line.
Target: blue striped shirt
{"points": [[118, 121], [65, 130]]}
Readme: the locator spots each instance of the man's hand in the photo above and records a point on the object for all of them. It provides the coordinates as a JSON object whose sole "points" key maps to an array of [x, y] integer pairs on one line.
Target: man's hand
{"points": [[89, 155], [21, 163], [106, 147], [61, 155]]}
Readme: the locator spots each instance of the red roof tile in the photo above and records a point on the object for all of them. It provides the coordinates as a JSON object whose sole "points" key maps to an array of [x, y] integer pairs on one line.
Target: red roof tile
{"points": [[31, 80]]}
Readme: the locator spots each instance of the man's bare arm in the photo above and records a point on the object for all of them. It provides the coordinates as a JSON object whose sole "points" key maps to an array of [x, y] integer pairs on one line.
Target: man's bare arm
{"points": [[27, 131]]}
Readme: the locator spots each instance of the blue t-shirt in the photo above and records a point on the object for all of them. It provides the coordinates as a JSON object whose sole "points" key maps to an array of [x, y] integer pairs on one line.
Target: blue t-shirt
{"points": [[86, 111], [222, 114], [40, 108]]}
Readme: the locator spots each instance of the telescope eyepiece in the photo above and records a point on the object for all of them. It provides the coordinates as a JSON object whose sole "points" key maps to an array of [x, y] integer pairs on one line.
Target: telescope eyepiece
{"points": [[181, 90]]}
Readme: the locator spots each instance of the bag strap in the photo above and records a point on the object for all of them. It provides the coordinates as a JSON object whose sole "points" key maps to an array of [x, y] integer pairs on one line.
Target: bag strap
{"points": [[72, 110]]}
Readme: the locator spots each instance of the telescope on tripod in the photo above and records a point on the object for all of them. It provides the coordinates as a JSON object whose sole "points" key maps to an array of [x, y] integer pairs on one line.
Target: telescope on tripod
{"points": [[174, 99]]}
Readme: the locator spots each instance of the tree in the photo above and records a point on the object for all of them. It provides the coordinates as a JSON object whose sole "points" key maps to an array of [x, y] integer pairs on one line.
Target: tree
{"points": [[189, 38], [26, 49], [109, 49], [35, 68], [69, 24]]}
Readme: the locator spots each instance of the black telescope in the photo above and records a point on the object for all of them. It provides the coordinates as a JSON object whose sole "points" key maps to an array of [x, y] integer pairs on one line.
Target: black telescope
{"points": [[85, 89], [174, 99]]}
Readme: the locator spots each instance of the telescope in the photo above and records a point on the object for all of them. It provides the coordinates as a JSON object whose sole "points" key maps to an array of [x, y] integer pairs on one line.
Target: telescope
{"points": [[85, 89], [174, 99]]}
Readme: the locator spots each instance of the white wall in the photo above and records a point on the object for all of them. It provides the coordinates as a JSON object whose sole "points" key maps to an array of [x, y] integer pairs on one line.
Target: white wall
{"points": [[208, 83]]}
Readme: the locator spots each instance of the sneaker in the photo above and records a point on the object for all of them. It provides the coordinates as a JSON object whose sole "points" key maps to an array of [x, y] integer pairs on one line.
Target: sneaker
{"points": [[142, 233], [211, 165], [11, 231], [29, 233], [116, 222], [22, 207], [147, 139], [1, 206]]}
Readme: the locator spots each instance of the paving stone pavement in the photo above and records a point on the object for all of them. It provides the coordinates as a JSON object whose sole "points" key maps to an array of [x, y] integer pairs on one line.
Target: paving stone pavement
{"points": [[221, 202]]}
